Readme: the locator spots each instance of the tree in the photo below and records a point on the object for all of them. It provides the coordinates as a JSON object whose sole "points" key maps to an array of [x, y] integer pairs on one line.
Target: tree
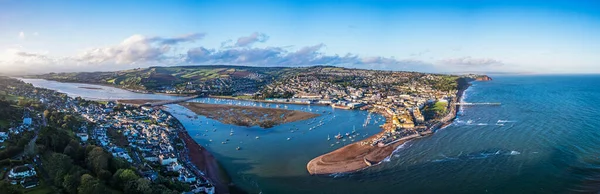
{"points": [[58, 165], [46, 113], [124, 176], [91, 185], [98, 159], [70, 183], [7, 188], [53, 139]]}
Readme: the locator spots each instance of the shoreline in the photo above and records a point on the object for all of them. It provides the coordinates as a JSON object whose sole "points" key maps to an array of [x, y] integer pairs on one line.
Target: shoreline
{"points": [[201, 159], [356, 157]]}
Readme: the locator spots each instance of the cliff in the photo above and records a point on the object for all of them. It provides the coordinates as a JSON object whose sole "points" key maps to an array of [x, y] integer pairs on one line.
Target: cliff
{"points": [[483, 78]]}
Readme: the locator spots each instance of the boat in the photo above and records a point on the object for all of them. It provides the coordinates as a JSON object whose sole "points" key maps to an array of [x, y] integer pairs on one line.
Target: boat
{"points": [[223, 142], [289, 138], [328, 138], [238, 148], [338, 136], [257, 137], [369, 163]]}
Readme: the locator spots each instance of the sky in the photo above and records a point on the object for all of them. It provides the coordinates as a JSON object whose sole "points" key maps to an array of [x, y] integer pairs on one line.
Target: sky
{"points": [[545, 37]]}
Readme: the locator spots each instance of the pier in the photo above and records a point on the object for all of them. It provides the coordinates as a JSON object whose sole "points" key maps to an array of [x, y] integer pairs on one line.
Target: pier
{"points": [[479, 104]]}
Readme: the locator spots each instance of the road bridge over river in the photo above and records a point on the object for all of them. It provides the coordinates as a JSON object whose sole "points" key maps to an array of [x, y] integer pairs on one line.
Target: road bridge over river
{"points": [[175, 101]]}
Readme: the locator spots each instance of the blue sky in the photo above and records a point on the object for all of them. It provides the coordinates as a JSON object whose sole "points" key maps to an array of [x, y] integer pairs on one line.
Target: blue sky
{"points": [[432, 36]]}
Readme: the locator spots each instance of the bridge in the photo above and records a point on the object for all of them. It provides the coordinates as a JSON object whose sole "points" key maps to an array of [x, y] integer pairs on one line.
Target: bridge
{"points": [[160, 103], [479, 103]]}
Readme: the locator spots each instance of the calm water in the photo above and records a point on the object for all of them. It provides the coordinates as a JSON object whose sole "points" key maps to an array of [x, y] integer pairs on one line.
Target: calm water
{"points": [[102, 93], [545, 138]]}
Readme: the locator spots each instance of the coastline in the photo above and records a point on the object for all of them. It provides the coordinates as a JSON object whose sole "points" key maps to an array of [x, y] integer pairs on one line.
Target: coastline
{"points": [[354, 157], [205, 161], [201, 159]]}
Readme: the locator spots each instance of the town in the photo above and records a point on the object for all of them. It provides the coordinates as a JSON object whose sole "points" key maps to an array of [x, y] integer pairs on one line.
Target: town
{"points": [[145, 138]]}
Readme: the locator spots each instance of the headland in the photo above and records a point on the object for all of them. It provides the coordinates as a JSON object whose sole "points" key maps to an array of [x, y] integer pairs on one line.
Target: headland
{"points": [[373, 150]]}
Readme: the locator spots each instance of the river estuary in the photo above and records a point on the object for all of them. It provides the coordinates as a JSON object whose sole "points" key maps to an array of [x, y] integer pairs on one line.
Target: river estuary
{"points": [[545, 138]]}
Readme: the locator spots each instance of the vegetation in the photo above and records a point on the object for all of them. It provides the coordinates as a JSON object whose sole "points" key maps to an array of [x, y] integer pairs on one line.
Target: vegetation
{"points": [[436, 109]]}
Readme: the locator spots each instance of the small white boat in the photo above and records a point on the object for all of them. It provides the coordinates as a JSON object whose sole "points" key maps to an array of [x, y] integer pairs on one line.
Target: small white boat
{"points": [[257, 137], [289, 138]]}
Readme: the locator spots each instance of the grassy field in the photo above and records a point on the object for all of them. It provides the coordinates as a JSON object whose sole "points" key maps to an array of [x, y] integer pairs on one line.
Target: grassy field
{"points": [[40, 189], [8, 96], [440, 107]]}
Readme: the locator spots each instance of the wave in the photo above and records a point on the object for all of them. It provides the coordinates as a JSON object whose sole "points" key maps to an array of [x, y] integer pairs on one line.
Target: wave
{"points": [[477, 155]]}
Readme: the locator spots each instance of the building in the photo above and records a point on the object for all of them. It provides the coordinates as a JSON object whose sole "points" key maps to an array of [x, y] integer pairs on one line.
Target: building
{"points": [[83, 136], [27, 121], [166, 159], [3, 136], [21, 172]]}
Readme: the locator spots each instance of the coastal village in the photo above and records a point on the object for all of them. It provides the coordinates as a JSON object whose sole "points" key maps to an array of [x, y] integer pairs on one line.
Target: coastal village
{"points": [[413, 102], [146, 137]]}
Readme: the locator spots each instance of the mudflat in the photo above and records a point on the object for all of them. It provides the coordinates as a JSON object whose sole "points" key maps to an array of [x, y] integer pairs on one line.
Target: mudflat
{"points": [[247, 115]]}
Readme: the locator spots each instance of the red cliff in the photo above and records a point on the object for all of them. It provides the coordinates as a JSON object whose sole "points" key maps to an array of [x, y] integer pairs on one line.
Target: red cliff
{"points": [[484, 78]]}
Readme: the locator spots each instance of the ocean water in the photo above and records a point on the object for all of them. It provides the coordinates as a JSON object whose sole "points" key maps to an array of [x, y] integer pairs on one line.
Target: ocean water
{"points": [[544, 138]]}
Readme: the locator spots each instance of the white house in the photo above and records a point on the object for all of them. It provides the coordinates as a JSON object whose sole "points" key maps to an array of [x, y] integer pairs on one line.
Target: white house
{"points": [[187, 177], [174, 167], [21, 172], [166, 159], [3, 136], [83, 136]]}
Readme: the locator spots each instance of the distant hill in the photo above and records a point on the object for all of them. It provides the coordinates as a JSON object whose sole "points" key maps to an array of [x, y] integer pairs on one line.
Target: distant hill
{"points": [[217, 79]]}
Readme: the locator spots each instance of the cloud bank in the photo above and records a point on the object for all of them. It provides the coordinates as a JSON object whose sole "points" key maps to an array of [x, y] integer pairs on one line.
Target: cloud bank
{"points": [[143, 51], [471, 62]]}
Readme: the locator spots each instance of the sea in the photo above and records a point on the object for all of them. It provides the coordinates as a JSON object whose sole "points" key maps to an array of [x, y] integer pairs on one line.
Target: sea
{"points": [[543, 138]]}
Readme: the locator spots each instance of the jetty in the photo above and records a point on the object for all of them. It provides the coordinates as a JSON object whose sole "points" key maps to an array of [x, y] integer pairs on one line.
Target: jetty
{"points": [[479, 104]]}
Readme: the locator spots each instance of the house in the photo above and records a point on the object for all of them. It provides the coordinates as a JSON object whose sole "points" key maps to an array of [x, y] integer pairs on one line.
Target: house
{"points": [[21, 172], [174, 167], [30, 182], [150, 157], [3, 136], [187, 177], [166, 159], [83, 136], [27, 121]]}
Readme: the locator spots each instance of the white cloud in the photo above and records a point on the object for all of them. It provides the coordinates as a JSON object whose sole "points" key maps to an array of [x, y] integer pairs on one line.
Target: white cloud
{"points": [[470, 62], [36, 34], [253, 38], [142, 51], [136, 49], [21, 35]]}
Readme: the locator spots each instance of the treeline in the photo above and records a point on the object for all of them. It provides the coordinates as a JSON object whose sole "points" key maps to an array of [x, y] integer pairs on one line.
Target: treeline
{"points": [[74, 168], [9, 111]]}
